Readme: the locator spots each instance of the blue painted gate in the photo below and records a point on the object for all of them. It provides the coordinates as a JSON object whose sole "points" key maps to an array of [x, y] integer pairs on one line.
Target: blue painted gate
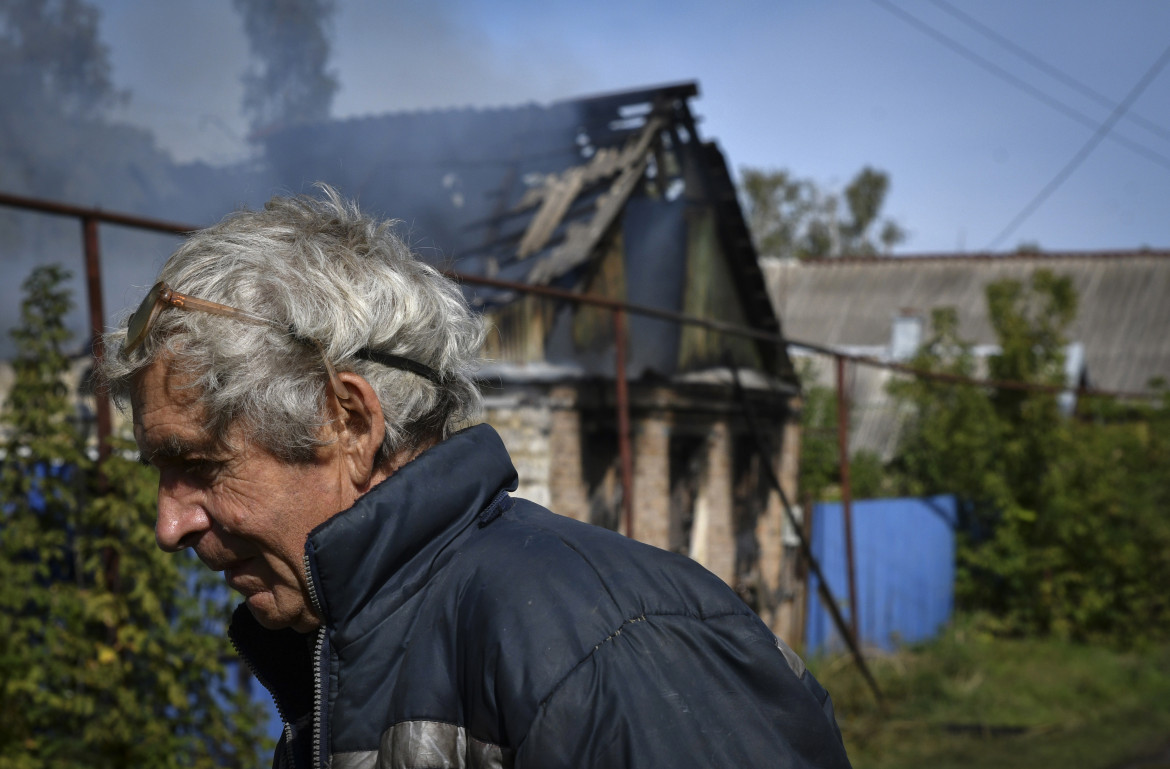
{"points": [[905, 564]]}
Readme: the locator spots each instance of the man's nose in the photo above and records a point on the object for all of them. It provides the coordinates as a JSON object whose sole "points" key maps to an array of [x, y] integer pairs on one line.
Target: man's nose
{"points": [[181, 514]]}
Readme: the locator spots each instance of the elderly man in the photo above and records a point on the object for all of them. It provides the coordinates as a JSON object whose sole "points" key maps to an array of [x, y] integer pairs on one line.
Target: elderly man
{"points": [[299, 379]]}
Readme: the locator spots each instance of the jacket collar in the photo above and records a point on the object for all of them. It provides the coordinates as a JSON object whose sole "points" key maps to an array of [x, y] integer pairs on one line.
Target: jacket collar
{"points": [[381, 550], [384, 547]]}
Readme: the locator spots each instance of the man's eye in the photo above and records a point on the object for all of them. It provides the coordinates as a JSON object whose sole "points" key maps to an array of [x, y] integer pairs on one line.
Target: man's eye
{"points": [[204, 469]]}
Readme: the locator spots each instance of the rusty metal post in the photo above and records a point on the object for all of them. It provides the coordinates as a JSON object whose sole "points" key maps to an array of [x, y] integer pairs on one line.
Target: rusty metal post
{"points": [[623, 416], [846, 492], [97, 324], [111, 558]]}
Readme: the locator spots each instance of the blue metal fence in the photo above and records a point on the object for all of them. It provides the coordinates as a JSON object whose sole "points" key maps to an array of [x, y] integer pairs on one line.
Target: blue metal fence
{"points": [[905, 567]]}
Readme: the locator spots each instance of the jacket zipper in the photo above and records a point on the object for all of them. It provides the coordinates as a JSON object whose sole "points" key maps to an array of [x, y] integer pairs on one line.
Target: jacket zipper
{"points": [[288, 735], [318, 696], [318, 666]]}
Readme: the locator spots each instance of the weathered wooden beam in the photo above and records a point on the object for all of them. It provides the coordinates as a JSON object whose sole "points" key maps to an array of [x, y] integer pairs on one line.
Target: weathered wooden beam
{"points": [[557, 194], [581, 239]]}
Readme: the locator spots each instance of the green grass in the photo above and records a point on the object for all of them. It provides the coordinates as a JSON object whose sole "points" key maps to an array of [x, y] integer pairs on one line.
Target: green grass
{"points": [[969, 700]]}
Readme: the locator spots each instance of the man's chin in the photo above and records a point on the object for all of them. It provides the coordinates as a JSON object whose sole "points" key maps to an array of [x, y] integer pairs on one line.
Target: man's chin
{"points": [[264, 609], [268, 614]]}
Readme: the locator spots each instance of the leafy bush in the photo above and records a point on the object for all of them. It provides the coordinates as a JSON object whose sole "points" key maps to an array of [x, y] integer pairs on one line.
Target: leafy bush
{"points": [[1065, 524]]}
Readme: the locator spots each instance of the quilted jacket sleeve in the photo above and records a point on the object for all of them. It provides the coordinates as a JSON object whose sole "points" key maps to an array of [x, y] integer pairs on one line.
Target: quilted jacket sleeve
{"points": [[677, 691]]}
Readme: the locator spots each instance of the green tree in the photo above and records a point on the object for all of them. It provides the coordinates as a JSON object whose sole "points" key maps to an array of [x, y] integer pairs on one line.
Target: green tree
{"points": [[791, 217], [111, 652], [865, 233], [951, 442], [1065, 517]]}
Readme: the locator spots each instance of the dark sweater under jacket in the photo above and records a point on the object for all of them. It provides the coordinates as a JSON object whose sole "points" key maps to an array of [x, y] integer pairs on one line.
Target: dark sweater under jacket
{"points": [[466, 628]]}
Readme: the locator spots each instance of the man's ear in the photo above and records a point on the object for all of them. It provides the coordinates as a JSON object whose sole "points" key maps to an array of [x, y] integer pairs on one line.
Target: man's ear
{"points": [[360, 428]]}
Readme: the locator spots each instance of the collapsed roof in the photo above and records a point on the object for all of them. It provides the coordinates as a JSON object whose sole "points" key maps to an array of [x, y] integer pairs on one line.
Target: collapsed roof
{"points": [[544, 194]]}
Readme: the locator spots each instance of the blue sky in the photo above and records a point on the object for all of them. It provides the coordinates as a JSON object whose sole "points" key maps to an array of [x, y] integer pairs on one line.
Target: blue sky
{"points": [[819, 88]]}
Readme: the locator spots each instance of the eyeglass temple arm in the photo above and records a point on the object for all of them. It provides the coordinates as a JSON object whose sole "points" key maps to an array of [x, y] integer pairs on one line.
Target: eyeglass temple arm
{"points": [[181, 300]]}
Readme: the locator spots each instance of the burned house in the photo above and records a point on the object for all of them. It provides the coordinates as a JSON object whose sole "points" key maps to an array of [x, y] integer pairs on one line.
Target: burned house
{"points": [[613, 196], [622, 418]]}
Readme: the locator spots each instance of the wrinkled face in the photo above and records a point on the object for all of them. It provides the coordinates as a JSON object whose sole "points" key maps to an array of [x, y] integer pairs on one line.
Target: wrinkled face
{"points": [[243, 511]]}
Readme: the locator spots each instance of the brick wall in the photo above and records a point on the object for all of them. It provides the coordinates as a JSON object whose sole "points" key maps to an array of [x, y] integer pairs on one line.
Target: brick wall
{"points": [[713, 535], [567, 490], [525, 427], [544, 433], [651, 449]]}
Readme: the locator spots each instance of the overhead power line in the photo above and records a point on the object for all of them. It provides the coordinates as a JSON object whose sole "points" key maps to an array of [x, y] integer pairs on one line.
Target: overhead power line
{"points": [[1048, 69], [1019, 83], [1101, 132]]}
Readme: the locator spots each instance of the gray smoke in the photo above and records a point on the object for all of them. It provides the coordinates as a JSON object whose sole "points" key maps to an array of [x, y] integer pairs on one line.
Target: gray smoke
{"points": [[62, 136], [57, 142], [289, 82]]}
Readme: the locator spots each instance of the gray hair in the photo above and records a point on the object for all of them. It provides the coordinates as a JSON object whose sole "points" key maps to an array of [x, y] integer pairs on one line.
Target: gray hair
{"points": [[332, 276]]}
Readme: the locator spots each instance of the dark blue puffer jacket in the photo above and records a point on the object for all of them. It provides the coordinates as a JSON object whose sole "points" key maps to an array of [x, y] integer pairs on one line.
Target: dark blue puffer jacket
{"points": [[465, 628]]}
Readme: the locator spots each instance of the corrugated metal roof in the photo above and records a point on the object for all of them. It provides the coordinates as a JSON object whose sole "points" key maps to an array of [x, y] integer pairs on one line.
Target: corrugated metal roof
{"points": [[1123, 317], [875, 417]]}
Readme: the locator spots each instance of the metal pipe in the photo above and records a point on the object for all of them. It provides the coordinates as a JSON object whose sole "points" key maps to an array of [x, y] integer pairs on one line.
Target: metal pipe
{"points": [[623, 419], [826, 595], [846, 492], [805, 533], [97, 323], [615, 304], [80, 212], [111, 558]]}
